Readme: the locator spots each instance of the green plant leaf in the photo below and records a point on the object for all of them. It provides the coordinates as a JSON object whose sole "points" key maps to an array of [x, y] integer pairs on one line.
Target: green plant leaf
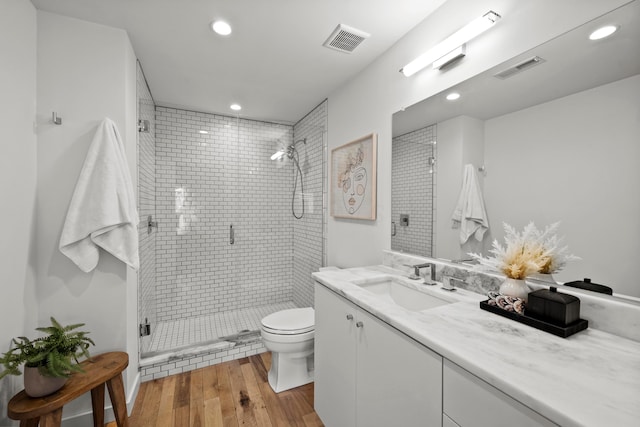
{"points": [[55, 354]]}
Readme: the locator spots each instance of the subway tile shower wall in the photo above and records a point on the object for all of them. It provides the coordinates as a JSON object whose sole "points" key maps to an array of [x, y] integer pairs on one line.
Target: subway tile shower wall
{"points": [[206, 183], [308, 241], [412, 190]]}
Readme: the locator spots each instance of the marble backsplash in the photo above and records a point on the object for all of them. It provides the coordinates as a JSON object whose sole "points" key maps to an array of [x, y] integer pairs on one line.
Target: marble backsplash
{"points": [[604, 312]]}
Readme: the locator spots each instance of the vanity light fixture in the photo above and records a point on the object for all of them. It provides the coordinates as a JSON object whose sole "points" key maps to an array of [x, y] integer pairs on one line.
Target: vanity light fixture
{"points": [[450, 57], [603, 32], [452, 43], [235, 107], [221, 28], [203, 132]]}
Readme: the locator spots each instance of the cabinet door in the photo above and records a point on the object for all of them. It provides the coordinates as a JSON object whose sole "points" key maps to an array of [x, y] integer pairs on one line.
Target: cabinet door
{"points": [[335, 359], [471, 402], [399, 381]]}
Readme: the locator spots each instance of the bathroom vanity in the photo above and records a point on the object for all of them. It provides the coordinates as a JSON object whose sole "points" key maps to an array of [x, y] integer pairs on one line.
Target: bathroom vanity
{"points": [[383, 359]]}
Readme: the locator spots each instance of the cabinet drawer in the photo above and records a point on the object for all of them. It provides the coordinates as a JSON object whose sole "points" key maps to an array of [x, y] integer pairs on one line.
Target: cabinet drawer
{"points": [[471, 402]]}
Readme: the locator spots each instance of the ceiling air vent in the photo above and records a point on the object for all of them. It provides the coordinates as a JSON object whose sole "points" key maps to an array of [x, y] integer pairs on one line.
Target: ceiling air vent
{"points": [[345, 39], [524, 65]]}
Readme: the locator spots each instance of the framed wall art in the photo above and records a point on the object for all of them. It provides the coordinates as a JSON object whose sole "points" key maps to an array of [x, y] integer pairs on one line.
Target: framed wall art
{"points": [[353, 179]]}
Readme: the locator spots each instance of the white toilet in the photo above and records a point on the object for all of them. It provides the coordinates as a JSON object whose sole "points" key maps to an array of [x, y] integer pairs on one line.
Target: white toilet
{"points": [[289, 334]]}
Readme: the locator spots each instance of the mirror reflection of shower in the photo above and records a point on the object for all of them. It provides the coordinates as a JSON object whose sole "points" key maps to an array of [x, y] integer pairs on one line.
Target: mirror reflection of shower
{"points": [[281, 156]]}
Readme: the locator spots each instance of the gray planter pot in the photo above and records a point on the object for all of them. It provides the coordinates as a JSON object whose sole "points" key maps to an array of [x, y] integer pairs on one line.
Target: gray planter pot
{"points": [[37, 385]]}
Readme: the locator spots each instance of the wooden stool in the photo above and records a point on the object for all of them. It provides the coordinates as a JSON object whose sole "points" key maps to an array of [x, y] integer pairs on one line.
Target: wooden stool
{"points": [[103, 368]]}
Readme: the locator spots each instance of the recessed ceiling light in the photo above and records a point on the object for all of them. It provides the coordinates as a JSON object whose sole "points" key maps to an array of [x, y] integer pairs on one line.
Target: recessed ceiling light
{"points": [[603, 32], [221, 27], [235, 107], [453, 96]]}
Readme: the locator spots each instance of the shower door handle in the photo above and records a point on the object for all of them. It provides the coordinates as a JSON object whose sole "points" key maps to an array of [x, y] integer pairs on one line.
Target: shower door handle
{"points": [[232, 238], [393, 228]]}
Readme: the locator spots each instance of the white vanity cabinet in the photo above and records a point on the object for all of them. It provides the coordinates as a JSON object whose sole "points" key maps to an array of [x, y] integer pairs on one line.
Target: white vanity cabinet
{"points": [[468, 401], [369, 374]]}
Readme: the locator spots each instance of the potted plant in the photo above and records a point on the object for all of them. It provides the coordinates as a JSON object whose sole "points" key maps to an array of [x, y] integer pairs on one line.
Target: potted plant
{"points": [[49, 360]]}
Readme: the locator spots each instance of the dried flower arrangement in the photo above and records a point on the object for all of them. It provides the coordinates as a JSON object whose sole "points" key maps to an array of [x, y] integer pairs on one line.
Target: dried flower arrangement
{"points": [[527, 252]]}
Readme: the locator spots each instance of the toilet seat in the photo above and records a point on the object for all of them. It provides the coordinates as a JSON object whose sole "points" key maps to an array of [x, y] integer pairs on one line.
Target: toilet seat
{"points": [[294, 321]]}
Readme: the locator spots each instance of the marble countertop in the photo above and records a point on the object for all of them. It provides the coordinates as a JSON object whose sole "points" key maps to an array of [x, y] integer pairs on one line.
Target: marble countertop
{"points": [[591, 378]]}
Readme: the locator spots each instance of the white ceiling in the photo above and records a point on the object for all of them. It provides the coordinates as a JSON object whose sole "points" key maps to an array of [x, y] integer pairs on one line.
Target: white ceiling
{"points": [[273, 63]]}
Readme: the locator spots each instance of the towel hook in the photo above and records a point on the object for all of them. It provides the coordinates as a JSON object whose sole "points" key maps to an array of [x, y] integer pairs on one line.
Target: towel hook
{"points": [[55, 119]]}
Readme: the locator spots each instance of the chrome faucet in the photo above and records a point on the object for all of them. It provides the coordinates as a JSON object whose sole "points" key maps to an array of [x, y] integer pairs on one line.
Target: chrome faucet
{"points": [[432, 276], [449, 283]]}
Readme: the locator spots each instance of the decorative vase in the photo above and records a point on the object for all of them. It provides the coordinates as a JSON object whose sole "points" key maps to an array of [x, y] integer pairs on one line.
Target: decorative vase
{"points": [[38, 385], [515, 288]]}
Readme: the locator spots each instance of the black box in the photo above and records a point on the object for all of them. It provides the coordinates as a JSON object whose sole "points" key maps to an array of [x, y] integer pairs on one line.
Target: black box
{"points": [[553, 307]]}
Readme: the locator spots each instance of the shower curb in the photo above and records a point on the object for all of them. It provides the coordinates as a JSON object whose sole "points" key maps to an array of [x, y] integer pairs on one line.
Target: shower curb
{"points": [[178, 361]]}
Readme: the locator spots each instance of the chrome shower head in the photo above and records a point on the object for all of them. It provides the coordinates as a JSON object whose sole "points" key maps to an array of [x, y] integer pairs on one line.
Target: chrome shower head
{"points": [[287, 151]]}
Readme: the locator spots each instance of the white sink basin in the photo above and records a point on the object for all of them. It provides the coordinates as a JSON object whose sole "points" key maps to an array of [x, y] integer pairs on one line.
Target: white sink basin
{"points": [[398, 292]]}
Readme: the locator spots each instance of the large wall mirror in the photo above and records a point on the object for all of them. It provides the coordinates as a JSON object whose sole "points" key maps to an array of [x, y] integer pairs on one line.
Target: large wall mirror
{"points": [[554, 135]]}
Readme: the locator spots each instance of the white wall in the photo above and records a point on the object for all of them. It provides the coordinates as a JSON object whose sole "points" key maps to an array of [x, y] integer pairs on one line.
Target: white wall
{"points": [[365, 103], [573, 160], [85, 72], [17, 179]]}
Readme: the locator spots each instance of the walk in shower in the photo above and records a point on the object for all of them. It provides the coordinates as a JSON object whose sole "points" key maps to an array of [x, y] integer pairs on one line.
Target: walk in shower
{"points": [[224, 248], [413, 163]]}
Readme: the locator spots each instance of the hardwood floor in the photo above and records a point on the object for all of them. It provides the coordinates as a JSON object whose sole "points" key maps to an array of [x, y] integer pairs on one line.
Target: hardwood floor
{"points": [[231, 394]]}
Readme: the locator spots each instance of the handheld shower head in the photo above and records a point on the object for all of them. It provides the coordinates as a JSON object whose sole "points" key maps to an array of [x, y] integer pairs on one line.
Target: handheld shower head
{"points": [[281, 156], [289, 150]]}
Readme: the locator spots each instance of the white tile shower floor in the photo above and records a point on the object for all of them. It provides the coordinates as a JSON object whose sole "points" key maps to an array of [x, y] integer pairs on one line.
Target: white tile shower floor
{"points": [[177, 334]]}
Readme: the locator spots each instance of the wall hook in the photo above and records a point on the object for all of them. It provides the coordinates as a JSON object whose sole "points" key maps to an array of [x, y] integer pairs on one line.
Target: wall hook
{"points": [[55, 119]]}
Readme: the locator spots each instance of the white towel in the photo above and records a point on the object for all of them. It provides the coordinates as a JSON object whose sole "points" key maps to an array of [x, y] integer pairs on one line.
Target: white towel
{"points": [[470, 214], [102, 212]]}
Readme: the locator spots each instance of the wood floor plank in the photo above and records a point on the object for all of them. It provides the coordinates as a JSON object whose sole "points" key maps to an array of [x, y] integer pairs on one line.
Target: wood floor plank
{"points": [[291, 411], [183, 390], [196, 390], [150, 403], [165, 411], [196, 407], [260, 369], [243, 404], [266, 358], [181, 416], [209, 383], [312, 420], [274, 407], [259, 407], [137, 408], [300, 398], [227, 406], [214, 397], [213, 413]]}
